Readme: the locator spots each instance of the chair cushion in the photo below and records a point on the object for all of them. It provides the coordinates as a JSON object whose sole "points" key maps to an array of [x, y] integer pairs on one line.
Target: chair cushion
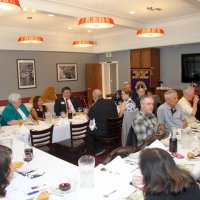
{"points": [[44, 148], [76, 143]]}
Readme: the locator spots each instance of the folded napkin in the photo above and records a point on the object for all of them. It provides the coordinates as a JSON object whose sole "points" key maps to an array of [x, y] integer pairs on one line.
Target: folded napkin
{"points": [[92, 125], [157, 144]]}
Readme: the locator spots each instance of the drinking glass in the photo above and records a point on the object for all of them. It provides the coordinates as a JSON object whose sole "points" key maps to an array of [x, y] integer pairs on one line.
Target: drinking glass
{"points": [[86, 169], [63, 114], [20, 122], [187, 138], [85, 110], [137, 180], [79, 109]]}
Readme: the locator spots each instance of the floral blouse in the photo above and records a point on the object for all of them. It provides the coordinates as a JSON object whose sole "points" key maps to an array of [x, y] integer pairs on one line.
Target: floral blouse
{"points": [[130, 105]]}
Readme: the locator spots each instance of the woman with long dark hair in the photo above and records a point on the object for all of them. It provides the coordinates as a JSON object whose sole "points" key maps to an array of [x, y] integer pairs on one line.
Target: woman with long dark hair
{"points": [[6, 172], [163, 179], [38, 110]]}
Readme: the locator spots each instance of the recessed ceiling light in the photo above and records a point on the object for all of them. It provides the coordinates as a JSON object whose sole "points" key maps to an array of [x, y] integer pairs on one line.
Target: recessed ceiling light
{"points": [[25, 9], [131, 12], [51, 15], [70, 28], [89, 31]]}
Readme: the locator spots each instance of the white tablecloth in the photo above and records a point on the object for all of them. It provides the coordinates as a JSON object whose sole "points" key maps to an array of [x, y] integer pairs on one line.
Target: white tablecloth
{"points": [[60, 132], [29, 106], [56, 169]]}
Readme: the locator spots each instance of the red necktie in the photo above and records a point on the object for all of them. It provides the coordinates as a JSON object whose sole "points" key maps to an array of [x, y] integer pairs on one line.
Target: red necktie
{"points": [[67, 106]]}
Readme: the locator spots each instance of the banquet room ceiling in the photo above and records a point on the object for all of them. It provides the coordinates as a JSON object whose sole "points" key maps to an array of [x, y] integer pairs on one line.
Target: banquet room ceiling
{"points": [[60, 30]]}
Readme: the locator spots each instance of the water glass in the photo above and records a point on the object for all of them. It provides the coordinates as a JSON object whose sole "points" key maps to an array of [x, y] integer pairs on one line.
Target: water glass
{"points": [[86, 169], [48, 118], [187, 138]]}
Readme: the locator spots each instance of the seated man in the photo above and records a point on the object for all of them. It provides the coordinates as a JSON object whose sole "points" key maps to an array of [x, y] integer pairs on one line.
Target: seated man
{"points": [[145, 123], [64, 103], [185, 102], [99, 112], [14, 111], [170, 115]]}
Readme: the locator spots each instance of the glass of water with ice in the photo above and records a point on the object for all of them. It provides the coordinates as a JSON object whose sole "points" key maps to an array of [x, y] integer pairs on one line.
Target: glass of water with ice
{"points": [[86, 168]]}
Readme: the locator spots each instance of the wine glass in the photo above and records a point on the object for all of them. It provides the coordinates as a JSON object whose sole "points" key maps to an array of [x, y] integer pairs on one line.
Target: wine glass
{"points": [[79, 109], [63, 114]]}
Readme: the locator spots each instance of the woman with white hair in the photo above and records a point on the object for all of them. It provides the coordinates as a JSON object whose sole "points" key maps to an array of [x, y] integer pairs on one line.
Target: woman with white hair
{"points": [[14, 111]]}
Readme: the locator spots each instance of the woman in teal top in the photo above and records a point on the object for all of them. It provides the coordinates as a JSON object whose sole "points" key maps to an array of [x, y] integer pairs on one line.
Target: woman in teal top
{"points": [[14, 111]]}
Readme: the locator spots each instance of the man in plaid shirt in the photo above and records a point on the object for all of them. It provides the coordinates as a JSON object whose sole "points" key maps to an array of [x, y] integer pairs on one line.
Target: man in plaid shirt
{"points": [[145, 123]]}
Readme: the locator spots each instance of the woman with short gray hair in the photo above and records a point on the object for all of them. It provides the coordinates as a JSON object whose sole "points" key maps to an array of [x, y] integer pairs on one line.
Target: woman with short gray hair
{"points": [[14, 111]]}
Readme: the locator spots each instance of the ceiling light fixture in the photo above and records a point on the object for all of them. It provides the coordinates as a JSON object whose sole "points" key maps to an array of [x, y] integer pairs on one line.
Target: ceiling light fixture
{"points": [[96, 22], [83, 43], [150, 32], [9, 7], [131, 12], [30, 39]]}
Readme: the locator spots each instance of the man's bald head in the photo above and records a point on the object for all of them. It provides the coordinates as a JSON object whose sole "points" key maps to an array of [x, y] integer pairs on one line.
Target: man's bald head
{"points": [[97, 94]]}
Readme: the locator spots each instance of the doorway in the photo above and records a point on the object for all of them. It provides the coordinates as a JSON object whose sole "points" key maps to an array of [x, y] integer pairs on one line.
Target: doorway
{"points": [[110, 78]]}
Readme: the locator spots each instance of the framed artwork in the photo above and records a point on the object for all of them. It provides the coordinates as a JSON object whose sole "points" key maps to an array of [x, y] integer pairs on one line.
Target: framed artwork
{"points": [[67, 72], [26, 74]]}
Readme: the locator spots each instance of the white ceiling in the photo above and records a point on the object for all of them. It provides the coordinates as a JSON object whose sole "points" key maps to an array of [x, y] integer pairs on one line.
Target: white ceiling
{"points": [[175, 15]]}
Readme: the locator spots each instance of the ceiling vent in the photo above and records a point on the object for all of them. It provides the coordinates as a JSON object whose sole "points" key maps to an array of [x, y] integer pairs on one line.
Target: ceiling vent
{"points": [[154, 9]]}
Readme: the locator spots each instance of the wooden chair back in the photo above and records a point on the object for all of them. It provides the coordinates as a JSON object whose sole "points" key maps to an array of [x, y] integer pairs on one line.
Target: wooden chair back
{"points": [[41, 138], [78, 132]]}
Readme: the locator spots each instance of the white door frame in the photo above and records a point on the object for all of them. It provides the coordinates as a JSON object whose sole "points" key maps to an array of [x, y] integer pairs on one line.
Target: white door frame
{"points": [[117, 75]]}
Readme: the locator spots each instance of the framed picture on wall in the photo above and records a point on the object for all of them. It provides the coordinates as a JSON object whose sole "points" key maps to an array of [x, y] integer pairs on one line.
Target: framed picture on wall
{"points": [[26, 74], [67, 72]]}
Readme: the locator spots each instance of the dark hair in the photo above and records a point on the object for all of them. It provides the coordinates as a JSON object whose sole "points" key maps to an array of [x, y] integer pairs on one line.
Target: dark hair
{"points": [[5, 160], [152, 90], [160, 173], [65, 88], [35, 101]]}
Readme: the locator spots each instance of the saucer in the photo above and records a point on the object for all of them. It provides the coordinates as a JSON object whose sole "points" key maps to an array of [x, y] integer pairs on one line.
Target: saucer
{"points": [[55, 189]]}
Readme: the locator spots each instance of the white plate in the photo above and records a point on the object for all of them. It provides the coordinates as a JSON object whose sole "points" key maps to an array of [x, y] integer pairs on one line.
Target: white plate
{"points": [[55, 189]]}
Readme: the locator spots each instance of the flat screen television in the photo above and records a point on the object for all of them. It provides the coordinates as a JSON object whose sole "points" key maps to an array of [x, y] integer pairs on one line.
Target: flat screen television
{"points": [[190, 68]]}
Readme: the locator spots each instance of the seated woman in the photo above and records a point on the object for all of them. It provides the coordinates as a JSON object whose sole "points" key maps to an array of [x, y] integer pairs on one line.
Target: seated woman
{"points": [[6, 172], [163, 180], [14, 111], [128, 105], [49, 95], [38, 110]]}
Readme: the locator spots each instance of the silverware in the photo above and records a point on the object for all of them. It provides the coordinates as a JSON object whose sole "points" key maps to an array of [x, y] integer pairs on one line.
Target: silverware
{"points": [[107, 195]]}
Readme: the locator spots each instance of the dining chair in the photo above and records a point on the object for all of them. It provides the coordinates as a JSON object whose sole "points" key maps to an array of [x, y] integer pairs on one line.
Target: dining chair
{"points": [[77, 144], [113, 140], [127, 122], [122, 152], [42, 139]]}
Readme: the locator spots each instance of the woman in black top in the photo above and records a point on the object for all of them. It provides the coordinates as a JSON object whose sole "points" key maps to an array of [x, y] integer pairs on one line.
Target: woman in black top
{"points": [[38, 110], [6, 172], [162, 178]]}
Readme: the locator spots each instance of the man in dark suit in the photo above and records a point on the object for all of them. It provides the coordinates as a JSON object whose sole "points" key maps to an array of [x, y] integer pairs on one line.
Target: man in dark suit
{"points": [[99, 112], [66, 102]]}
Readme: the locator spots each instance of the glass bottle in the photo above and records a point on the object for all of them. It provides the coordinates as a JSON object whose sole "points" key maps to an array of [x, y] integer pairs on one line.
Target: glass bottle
{"points": [[173, 142]]}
